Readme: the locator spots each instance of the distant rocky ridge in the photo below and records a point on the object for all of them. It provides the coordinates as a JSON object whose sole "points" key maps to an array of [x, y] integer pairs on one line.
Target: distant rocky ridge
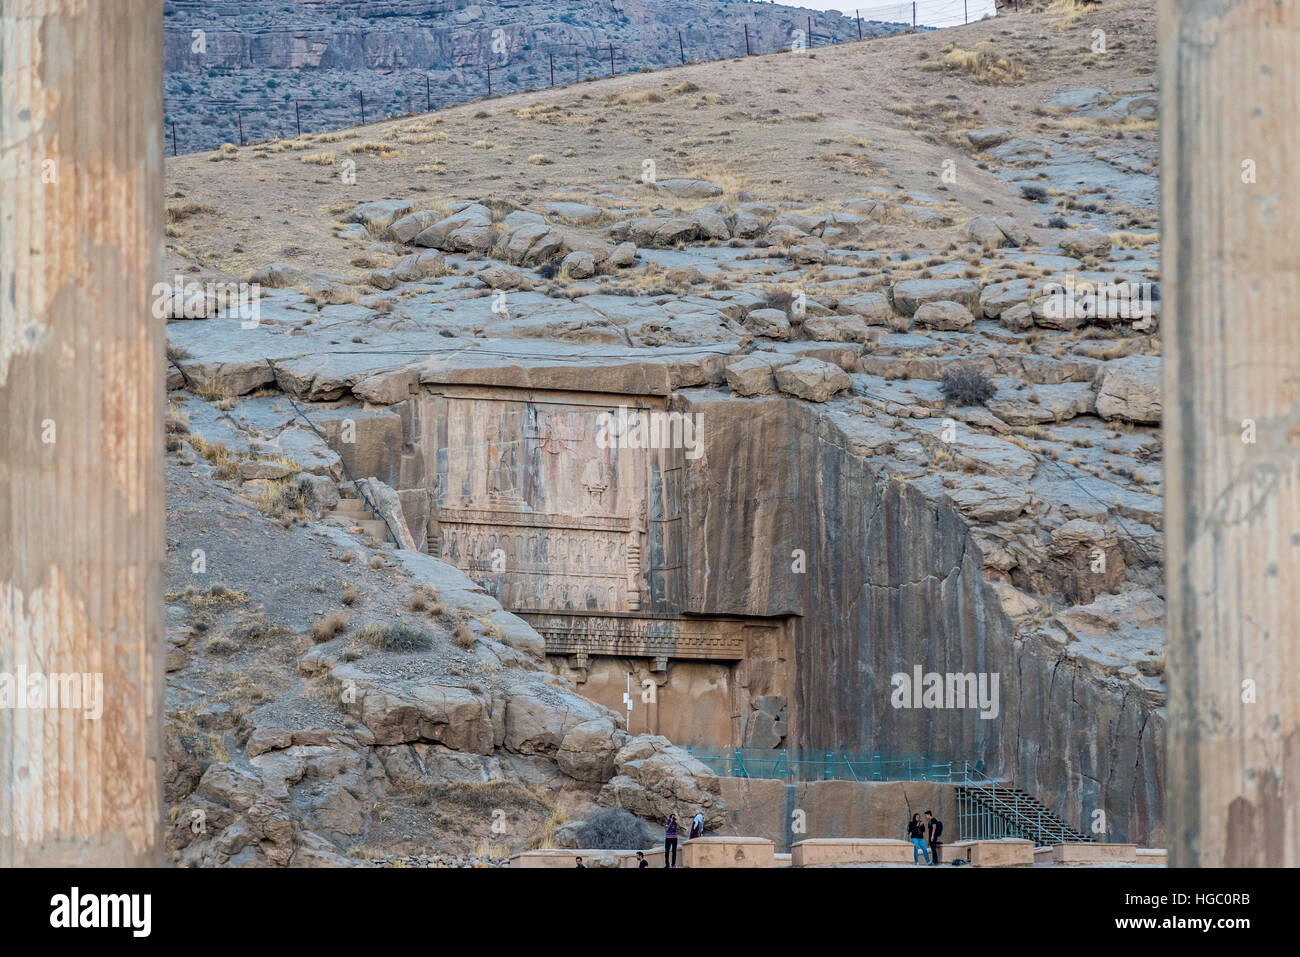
{"points": [[253, 59]]}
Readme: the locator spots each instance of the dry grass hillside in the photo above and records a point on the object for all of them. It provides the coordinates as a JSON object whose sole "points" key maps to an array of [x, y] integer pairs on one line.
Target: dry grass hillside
{"points": [[792, 128]]}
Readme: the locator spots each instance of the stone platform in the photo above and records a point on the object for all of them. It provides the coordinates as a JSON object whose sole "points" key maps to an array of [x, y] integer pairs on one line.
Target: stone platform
{"points": [[838, 851], [1008, 852]]}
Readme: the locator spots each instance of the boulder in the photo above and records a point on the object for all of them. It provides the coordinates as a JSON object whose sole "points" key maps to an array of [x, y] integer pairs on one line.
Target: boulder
{"points": [[653, 232], [379, 214], [579, 265], [747, 225], [987, 233], [1085, 242], [812, 379], [467, 230], [1130, 389], [411, 225], [276, 275], [653, 779], [769, 323], [752, 375], [690, 188], [910, 294], [806, 253], [872, 307], [710, 223], [588, 750], [531, 245], [423, 265], [624, 254], [398, 711], [538, 718], [500, 276], [944, 316], [1016, 232], [987, 138], [580, 214], [837, 329]]}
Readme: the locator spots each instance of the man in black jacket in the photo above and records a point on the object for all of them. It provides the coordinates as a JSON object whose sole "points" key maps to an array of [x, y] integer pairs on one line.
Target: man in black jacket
{"points": [[933, 829]]}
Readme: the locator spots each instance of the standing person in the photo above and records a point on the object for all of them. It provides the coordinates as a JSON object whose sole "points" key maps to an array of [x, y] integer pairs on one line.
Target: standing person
{"points": [[933, 829], [671, 828], [916, 832], [697, 825], [580, 864], [640, 860]]}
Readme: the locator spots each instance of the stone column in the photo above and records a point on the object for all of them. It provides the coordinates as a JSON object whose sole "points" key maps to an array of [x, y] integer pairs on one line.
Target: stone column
{"points": [[1230, 132], [81, 443]]}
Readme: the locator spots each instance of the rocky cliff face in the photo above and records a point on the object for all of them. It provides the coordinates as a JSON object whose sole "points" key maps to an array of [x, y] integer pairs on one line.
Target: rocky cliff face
{"points": [[790, 512], [256, 59]]}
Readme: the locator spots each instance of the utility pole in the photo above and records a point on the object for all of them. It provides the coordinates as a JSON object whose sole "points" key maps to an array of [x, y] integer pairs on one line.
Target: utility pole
{"points": [[746, 39], [240, 117], [428, 98], [81, 421], [552, 58], [362, 95], [1232, 492], [681, 46], [611, 59], [174, 150], [489, 78], [859, 19], [297, 117]]}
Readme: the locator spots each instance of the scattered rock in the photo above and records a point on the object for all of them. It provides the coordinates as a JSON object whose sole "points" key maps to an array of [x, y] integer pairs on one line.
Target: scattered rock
{"points": [[1130, 389], [944, 316], [812, 379], [690, 188]]}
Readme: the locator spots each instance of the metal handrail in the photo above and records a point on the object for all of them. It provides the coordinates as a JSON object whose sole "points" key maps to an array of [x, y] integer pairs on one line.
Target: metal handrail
{"points": [[1016, 819]]}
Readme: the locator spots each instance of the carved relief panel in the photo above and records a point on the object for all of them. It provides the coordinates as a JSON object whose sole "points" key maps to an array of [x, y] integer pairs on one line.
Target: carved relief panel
{"points": [[535, 503]]}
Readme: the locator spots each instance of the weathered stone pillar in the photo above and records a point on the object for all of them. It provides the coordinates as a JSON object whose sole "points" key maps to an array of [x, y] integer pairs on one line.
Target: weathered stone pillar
{"points": [[1230, 129], [81, 444]]}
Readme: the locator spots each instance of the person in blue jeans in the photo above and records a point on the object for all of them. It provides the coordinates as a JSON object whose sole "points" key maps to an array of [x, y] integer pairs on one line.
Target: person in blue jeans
{"points": [[916, 832], [671, 827]]}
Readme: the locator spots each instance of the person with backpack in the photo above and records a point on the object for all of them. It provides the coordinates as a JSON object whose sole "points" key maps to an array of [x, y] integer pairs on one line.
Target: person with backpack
{"points": [[916, 833], [697, 825], [934, 829], [671, 828]]}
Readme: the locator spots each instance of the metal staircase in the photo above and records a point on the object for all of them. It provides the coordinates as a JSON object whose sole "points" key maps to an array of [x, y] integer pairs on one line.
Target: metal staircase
{"points": [[989, 810]]}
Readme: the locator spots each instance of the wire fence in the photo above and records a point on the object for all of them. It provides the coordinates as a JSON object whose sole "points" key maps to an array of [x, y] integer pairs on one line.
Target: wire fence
{"points": [[246, 121], [821, 765]]}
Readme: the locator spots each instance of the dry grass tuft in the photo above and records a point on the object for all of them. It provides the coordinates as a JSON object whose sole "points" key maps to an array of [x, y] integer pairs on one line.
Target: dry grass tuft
{"points": [[327, 626], [984, 63]]}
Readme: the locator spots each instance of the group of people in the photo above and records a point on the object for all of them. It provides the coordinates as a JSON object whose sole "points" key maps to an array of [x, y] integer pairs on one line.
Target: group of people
{"points": [[923, 833], [672, 829], [924, 836]]}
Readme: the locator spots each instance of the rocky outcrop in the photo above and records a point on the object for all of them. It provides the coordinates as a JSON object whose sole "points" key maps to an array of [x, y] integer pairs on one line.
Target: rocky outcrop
{"points": [[654, 779]]}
